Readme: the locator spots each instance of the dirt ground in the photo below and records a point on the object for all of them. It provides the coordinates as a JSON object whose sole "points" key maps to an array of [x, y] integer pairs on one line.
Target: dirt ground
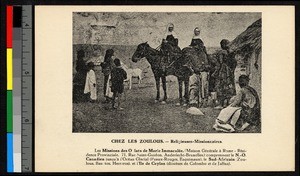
{"points": [[141, 114]]}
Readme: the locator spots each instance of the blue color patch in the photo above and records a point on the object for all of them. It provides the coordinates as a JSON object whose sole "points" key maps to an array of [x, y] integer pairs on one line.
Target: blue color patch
{"points": [[10, 153]]}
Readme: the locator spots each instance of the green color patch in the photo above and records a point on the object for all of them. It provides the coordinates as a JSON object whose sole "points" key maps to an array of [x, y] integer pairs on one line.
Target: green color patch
{"points": [[9, 111]]}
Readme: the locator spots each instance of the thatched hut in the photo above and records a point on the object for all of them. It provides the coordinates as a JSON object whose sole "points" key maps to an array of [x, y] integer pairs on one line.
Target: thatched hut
{"points": [[248, 43]]}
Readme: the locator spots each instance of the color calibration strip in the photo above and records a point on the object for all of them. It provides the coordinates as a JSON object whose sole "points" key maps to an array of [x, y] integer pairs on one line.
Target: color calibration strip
{"points": [[9, 66], [19, 88]]}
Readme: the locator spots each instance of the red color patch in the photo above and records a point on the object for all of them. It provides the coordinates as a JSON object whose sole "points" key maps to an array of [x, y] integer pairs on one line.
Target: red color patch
{"points": [[9, 26]]}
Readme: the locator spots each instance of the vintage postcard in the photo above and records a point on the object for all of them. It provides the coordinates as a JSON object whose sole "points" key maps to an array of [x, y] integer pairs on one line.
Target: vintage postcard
{"points": [[164, 88]]}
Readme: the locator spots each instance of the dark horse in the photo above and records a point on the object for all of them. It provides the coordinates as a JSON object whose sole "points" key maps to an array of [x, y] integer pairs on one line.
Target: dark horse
{"points": [[180, 68]]}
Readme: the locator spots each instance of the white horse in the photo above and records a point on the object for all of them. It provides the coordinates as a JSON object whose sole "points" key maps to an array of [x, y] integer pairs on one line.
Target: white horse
{"points": [[132, 73]]}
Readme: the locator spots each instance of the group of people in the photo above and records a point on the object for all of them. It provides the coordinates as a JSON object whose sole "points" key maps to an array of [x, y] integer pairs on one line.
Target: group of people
{"points": [[85, 84], [215, 76], [239, 100]]}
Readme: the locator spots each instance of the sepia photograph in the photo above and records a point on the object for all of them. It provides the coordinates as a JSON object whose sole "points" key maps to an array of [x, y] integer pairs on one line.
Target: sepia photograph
{"points": [[165, 88], [166, 72]]}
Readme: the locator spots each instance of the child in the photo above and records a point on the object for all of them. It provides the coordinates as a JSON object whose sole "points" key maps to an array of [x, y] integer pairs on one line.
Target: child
{"points": [[118, 75], [90, 83]]}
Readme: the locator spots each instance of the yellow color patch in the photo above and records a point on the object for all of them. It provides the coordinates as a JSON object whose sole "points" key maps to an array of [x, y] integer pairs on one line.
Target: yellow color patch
{"points": [[9, 67]]}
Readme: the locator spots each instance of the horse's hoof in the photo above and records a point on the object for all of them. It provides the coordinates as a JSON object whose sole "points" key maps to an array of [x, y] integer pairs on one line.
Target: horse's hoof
{"points": [[163, 102], [177, 104], [156, 101]]}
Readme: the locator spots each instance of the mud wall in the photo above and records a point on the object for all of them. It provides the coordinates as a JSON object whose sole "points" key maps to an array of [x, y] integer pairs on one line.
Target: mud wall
{"points": [[133, 28]]}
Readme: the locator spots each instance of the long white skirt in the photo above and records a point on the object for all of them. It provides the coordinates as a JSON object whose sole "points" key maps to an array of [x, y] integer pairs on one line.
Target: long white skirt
{"points": [[198, 87]]}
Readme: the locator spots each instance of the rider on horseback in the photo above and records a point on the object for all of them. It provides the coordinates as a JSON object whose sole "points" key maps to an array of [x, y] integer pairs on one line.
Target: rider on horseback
{"points": [[169, 47], [170, 36], [197, 42], [199, 80]]}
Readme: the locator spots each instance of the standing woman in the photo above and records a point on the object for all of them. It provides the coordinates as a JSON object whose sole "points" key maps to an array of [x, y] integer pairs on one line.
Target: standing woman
{"points": [[79, 78], [223, 81], [228, 59], [107, 66]]}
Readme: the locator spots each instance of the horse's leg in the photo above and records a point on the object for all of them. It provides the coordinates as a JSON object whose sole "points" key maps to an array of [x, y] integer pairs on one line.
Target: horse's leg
{"points": [[164, 84], [180, 91], [200, 98], [140, 78], [186, 90], [157, 82], [205, 88]]}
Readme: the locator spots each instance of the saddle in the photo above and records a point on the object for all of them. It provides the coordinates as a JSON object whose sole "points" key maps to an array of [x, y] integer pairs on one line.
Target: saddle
{"points": [[170, 55], [194, 60]]}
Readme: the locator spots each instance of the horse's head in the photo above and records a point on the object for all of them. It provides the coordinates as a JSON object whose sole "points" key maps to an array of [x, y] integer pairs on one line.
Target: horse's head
{"points": [[140, 52]]}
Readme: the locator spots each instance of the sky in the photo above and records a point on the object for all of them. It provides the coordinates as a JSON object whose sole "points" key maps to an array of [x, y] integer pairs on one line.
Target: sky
{"points": [[133, 28]]}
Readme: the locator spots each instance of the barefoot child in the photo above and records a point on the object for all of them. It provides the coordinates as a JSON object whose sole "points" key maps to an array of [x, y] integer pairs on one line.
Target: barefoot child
{"points": [[90, 83], [118, 75]]}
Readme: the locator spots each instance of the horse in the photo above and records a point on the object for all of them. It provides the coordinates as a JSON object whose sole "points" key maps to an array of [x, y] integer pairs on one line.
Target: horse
{"points": [[179, 68], [199, 82]]}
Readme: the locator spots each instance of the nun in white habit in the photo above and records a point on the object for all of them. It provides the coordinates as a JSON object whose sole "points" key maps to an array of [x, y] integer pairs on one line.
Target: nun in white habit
{"points": [[170, 35]]}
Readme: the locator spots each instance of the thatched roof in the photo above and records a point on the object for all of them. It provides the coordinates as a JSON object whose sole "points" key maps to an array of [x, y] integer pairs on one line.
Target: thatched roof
{"points": [[248, 41]]}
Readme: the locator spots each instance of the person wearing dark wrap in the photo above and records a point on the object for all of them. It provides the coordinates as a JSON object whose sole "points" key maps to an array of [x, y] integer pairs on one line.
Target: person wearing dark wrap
{"points": [[228, 58], [107, 66], [118, 75], [223, 85], [79, 78]]}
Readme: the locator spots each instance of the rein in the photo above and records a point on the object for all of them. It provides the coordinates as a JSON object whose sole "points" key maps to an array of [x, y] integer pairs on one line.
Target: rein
{"points": [[145, 54]]}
